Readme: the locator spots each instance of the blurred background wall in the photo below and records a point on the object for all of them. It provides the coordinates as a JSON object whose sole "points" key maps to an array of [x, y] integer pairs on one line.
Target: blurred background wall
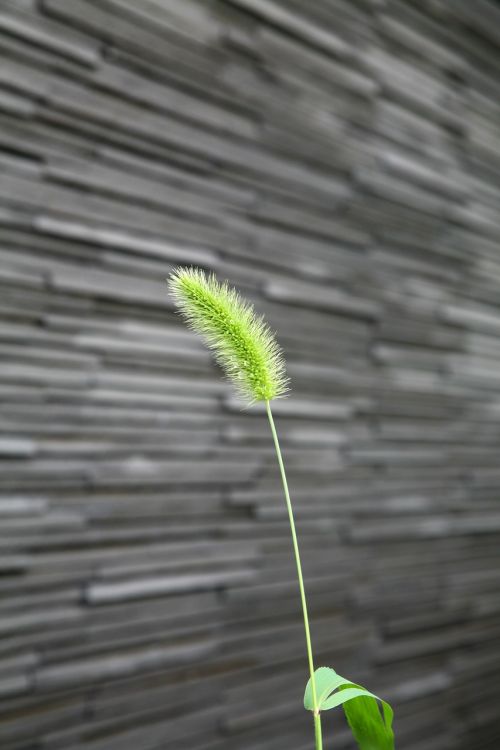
{"points": [[339, 161]]}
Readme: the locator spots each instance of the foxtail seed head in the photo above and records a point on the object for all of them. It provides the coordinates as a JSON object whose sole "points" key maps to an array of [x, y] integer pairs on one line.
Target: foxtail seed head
{"points": [[242, 342]]}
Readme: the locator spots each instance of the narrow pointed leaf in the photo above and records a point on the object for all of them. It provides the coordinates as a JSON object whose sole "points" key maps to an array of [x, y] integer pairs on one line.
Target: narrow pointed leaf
{"points": [[326, 680], [342, 696], [371, 727]]}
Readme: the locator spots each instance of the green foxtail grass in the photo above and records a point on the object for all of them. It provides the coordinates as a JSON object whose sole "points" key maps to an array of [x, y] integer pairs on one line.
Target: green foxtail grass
{"points": [[242, 342], [246, 349]]}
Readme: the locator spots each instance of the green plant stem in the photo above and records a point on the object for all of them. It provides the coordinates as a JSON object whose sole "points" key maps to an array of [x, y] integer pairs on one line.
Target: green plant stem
{"points": [[317, 716], [317, 730]]}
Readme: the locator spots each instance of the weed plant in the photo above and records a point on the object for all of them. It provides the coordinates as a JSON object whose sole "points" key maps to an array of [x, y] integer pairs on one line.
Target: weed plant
{"points": [[247, 351]]}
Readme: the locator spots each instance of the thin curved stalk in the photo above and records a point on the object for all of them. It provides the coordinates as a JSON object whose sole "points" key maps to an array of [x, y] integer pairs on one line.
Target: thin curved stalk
{"points": [[317, 716]]}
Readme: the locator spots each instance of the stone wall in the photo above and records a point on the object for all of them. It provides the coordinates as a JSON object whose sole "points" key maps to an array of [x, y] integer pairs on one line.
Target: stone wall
{"points": [[338, 160]]}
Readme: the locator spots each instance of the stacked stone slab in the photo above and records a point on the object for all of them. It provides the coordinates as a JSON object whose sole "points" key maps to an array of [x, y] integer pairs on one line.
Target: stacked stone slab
{"points": [[339, 161]]}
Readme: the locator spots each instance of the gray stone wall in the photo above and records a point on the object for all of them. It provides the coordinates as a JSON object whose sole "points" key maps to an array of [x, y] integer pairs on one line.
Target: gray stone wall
{"points": [[338, 160]]}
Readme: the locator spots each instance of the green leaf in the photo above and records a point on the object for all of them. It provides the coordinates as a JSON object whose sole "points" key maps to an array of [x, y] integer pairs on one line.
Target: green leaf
{"points": [[326, 681], [371, 727]]}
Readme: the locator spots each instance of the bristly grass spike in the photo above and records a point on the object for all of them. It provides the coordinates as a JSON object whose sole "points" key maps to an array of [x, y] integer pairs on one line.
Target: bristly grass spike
{"points": [[242, 342]]}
